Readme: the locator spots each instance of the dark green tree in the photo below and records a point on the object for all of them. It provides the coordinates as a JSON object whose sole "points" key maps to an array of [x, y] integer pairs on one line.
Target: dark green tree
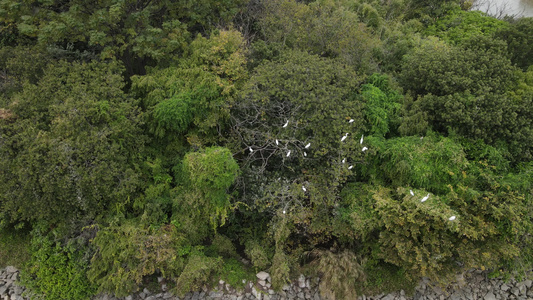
{"points": [[70, 149]]}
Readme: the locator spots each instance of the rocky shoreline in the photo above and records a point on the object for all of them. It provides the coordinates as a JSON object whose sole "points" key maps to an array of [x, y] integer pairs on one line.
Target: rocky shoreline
{"points": [[472, 285]]}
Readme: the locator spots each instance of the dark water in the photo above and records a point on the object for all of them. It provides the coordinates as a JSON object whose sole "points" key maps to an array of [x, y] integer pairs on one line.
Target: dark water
{"points": [[500, 8]]}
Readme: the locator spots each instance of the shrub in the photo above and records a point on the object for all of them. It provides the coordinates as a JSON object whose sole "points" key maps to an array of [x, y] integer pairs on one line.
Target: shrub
{"points": [[338, 272], [56, 270]]}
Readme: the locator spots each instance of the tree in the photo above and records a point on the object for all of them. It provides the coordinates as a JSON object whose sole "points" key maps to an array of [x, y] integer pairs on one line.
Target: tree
{"points": [[460, 25], [136, 32], [316, 98], [71, 151], [325, 28], [519, 37], [192, 98], [440, 69]]}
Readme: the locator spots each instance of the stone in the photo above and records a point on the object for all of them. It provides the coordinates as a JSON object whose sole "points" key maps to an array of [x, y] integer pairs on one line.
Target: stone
{"points": [[256, 293], [515, 291], [504, 287], [11, 269], [528, 283], [130, 297], [388, 297], [262, 275], [216, 294], [18, 290], [261, 282], [490, 296], [301, 281]]}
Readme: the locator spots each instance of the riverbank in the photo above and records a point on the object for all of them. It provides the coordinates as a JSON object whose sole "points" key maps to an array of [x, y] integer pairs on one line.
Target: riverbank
{"points": [[472, 285]]}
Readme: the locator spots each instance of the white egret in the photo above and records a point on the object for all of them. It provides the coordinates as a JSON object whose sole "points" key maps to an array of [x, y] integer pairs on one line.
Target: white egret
{"points": [[288, 153], [425, 198], [277, 142], [364, 149], [343, 160], [411, 191], [308, 145], [452, 218], [305, 153], [350, 167], [284, 212], [285, 125], [304, 189], [344, 137], [351, 121], [362, 137], [251, 150]]}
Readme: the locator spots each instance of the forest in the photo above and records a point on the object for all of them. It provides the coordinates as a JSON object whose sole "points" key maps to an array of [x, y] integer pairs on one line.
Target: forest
{"points": [[373, 141]]}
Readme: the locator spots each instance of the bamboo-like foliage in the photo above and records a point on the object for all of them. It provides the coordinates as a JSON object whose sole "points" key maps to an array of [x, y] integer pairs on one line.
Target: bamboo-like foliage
{"points": [[338, 273]]}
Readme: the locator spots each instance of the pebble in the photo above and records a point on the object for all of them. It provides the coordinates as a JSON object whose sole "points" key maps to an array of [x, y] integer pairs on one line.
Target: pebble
{"points": [[471, 286]]}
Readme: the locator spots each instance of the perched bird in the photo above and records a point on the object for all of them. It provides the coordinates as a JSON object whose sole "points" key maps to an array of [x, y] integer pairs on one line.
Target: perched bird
{"points": [[284, 212], [304, 189], [411, 191], [305, 153], [452, 218], [286, 124], [251, 150], [344, 137], [350, 167], [351, 121], [425, 198], [277, 142], [288, 153], [343, 160], [364, 149], [361, 142], [308, 145]]}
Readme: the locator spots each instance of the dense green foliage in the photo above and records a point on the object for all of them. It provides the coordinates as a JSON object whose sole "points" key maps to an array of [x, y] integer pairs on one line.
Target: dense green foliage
{"points": [[366, 142]]}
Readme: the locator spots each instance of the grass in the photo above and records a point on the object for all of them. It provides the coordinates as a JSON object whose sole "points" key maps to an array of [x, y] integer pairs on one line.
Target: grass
{"points": [[14, 248], [385, 278]]}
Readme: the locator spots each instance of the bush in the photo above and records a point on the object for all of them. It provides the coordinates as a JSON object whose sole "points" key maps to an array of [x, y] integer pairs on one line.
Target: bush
{"points": [[56, 270], [338, 273]]}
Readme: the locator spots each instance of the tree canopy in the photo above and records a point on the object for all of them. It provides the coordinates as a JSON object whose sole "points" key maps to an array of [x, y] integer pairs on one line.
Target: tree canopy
{"points": [[353, 139]]}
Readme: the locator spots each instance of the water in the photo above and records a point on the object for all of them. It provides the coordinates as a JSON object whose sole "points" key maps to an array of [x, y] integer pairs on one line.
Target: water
{"points": [[500, 8]]}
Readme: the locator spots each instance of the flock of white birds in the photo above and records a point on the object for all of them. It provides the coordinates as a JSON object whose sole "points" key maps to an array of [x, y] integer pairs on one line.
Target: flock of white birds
{"points": [[343, 138]]}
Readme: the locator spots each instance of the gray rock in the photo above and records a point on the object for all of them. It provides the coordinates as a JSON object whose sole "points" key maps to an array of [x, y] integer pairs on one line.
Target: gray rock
{"points": [[504, 287], [262, 275], [528, 283], [490, 296], [301, 281]]}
